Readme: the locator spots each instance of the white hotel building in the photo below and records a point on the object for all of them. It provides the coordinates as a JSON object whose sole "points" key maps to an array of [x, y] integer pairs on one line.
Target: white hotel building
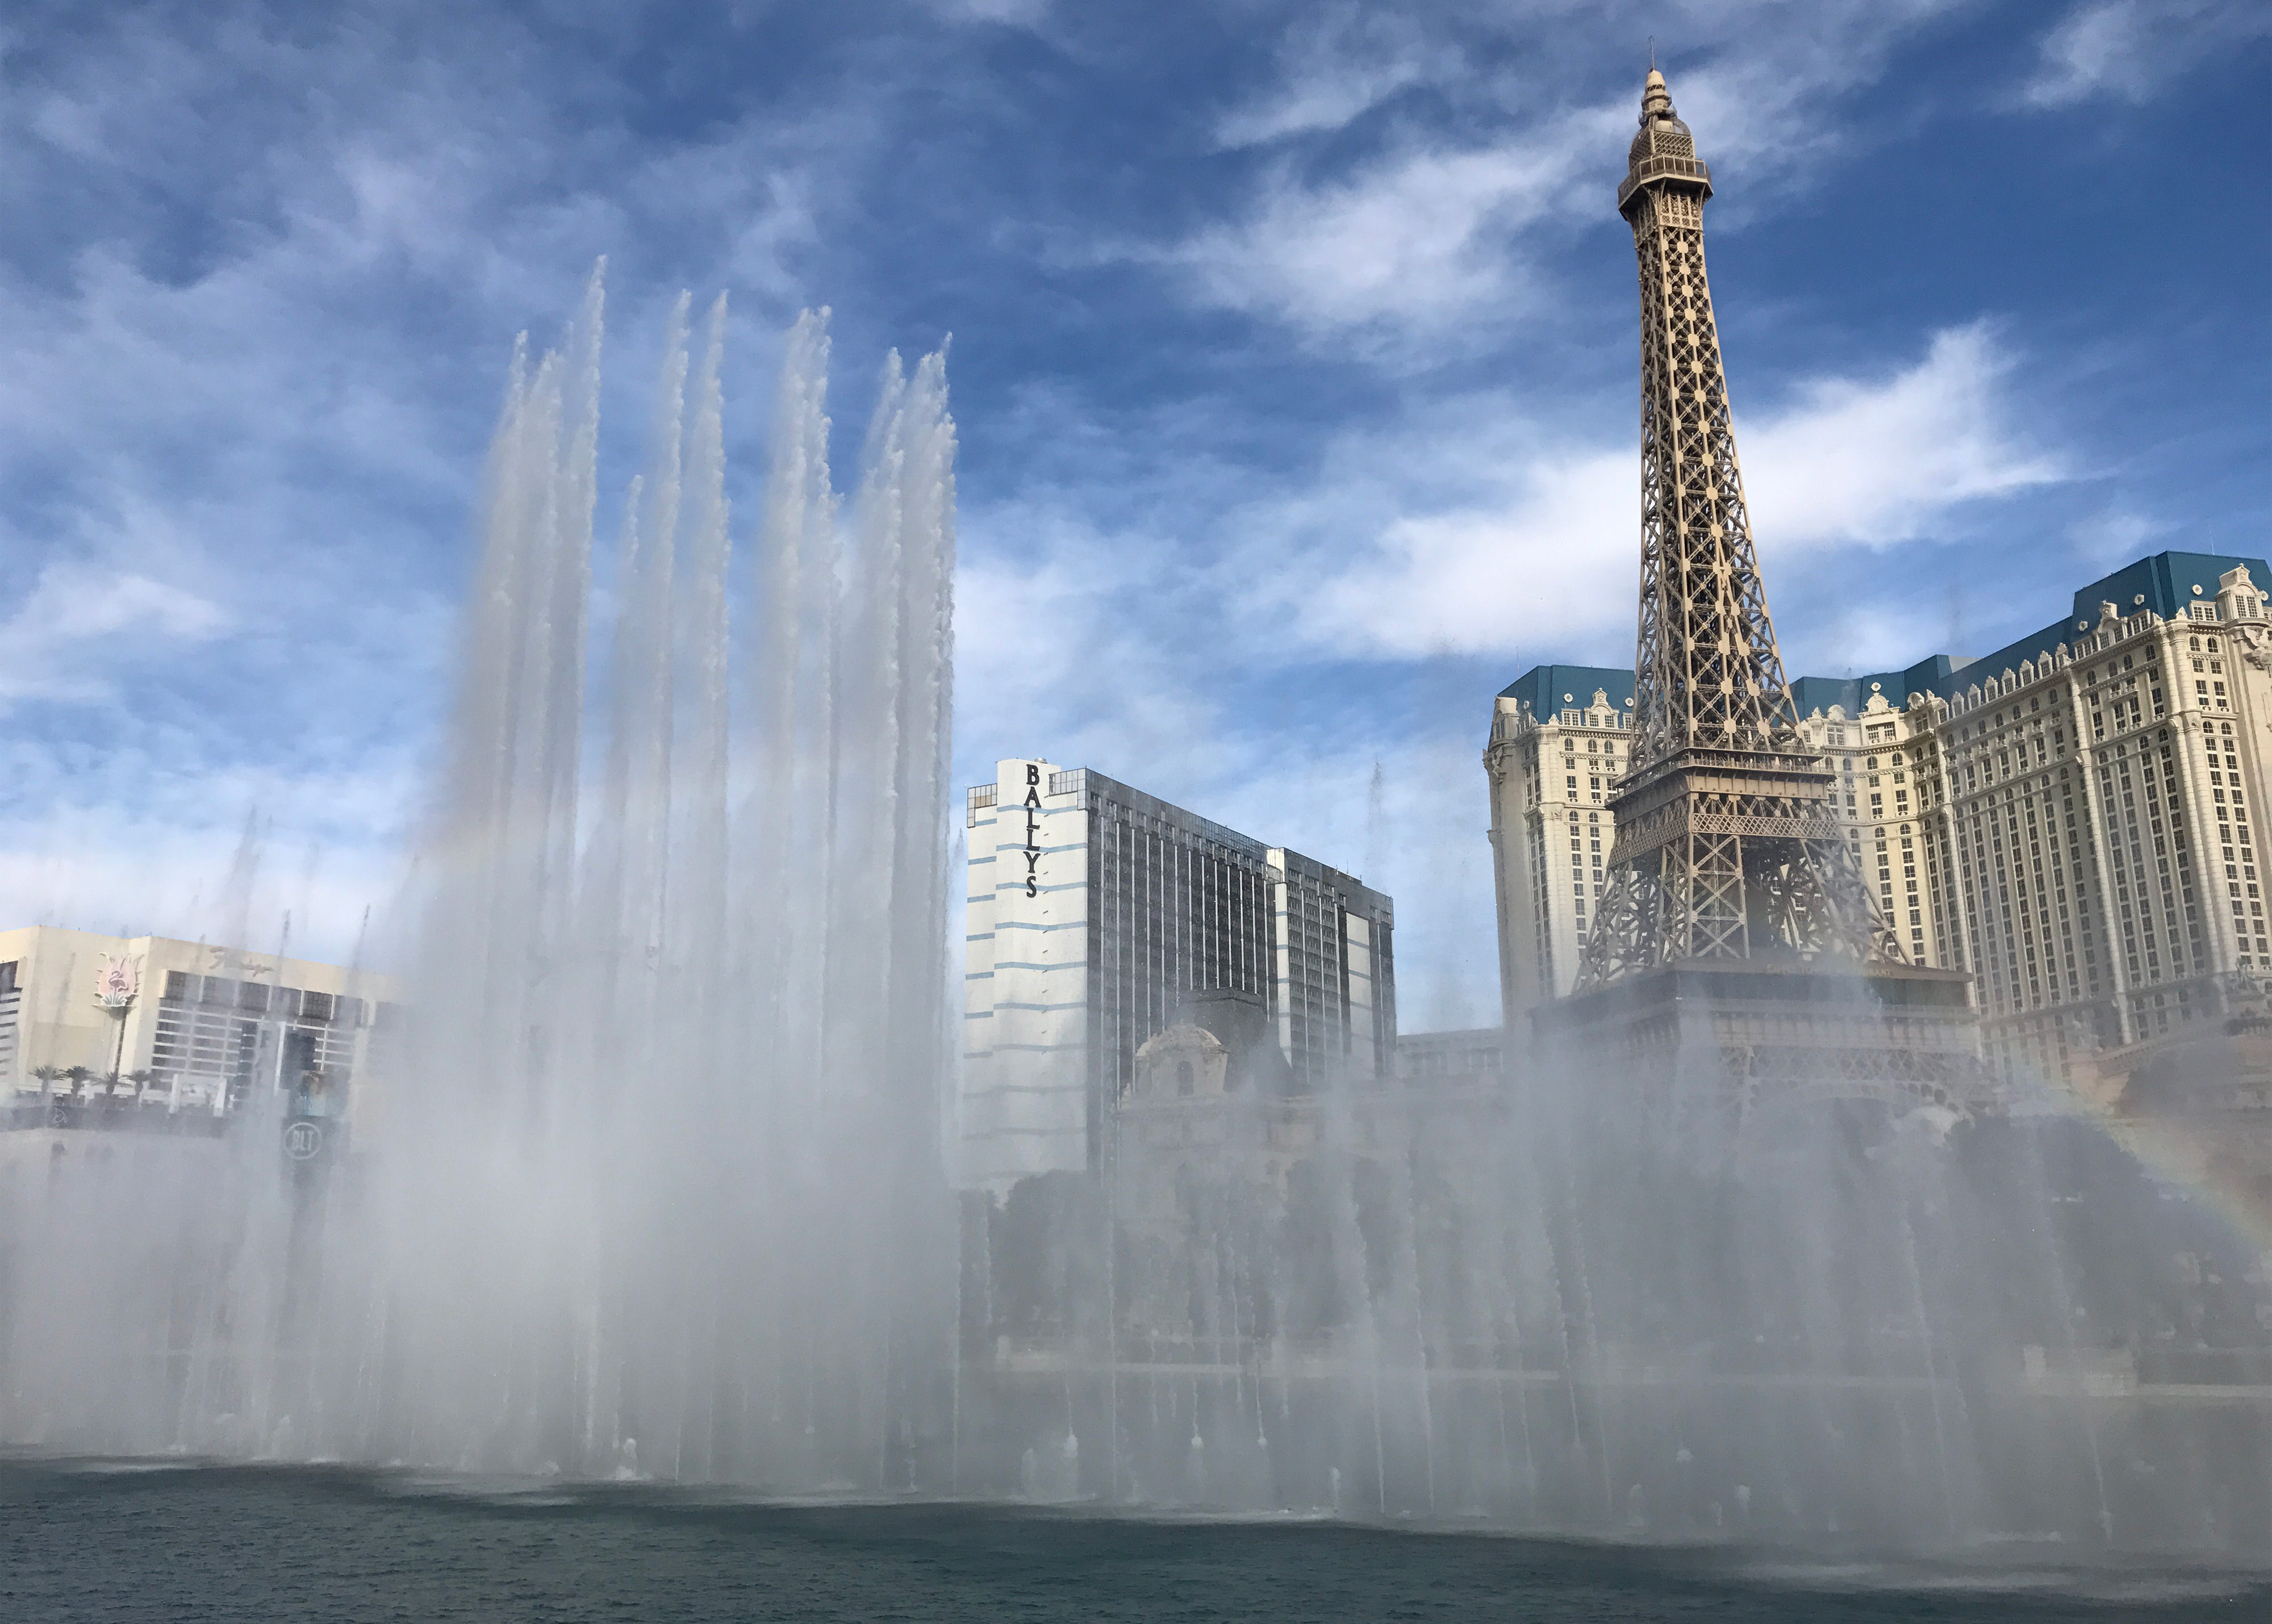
{"points": [[2068, 817], [1095, 911]]}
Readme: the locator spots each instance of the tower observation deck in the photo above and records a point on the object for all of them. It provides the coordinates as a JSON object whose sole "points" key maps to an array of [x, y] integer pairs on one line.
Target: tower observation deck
{"points": [[1739, 939]]}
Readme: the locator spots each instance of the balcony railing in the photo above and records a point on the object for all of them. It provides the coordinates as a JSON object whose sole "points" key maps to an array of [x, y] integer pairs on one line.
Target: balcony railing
{"points": [[1659, 169]]}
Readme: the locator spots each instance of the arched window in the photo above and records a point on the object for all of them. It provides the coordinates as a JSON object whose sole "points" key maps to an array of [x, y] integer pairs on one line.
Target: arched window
{"points": [[1183, 1076]]}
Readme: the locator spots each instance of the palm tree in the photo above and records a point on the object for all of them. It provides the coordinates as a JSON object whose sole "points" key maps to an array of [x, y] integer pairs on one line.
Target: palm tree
{"points": [[141, 1080], [46, 1076], [77, 1077]]}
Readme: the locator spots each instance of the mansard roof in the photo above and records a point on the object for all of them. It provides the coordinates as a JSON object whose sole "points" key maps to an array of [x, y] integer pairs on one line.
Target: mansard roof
{"points": [[2165, 581], [1542, 686]]}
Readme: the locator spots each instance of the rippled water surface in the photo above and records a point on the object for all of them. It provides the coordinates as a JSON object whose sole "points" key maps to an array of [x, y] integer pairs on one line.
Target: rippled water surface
{"points": [[102, 1542]]}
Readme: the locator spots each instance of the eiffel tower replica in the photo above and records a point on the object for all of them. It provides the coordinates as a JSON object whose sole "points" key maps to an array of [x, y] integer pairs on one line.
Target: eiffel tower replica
{"points": [[1739, 955]]}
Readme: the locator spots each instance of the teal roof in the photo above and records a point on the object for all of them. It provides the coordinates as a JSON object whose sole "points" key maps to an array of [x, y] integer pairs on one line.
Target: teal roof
{"points": [[2164, 582], [1549, 689], [1928, 676]]}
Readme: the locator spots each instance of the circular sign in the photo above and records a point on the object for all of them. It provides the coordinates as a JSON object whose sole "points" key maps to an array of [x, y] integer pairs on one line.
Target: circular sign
{"points": [[303, 1141]]}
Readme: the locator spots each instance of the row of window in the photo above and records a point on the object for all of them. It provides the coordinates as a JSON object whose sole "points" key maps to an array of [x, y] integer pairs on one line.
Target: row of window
{"points": [[289, 1004]]}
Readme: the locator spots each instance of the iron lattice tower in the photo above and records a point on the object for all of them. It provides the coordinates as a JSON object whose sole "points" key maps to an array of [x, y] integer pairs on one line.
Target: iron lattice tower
{"points": [[1727, 845]]}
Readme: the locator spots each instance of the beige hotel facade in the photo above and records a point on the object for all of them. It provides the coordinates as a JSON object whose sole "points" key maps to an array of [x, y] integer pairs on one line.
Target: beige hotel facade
{"points": [[2070, 818], [205, 1026]]}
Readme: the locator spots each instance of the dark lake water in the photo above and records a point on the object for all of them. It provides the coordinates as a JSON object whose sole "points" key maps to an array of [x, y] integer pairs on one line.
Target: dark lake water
{"points": [[100, 1543]]}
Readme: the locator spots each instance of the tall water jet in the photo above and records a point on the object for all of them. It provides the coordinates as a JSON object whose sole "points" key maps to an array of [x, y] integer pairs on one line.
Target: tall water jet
{"points": [[656, 1190], [653, 1188]]}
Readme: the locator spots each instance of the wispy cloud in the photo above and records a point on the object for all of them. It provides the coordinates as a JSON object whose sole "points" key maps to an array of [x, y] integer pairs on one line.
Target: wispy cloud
{"points": [[2126, 50], [1419, 239], [1335, 66], [1849, 463], [80, 624], [1014, 13], [2115, 535], [142, 842], [1872, 462], [1438, 229]]}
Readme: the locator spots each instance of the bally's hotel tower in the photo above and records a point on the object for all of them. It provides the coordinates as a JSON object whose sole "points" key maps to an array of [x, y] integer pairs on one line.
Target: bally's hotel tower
{"points": [[1095, 912]]}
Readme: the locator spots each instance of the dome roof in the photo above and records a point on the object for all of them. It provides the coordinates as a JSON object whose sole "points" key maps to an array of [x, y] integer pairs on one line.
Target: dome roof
{"points": [[1661, 133], [1663, 152], [1662, 136]]}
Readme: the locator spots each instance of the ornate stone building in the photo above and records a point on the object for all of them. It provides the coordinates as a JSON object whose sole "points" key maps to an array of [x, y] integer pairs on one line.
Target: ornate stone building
{"points": [[1560, 735], [2088, 796], [2066, 817]]}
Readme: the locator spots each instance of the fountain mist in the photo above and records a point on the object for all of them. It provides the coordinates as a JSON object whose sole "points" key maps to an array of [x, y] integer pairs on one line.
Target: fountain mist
{"points": [[652, 1188], [653, 1185]]}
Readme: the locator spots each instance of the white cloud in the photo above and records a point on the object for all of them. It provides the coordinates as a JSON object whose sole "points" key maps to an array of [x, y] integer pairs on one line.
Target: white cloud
{"points": [[1012, 13], [1431, 235], [1850, 463], [1077, 645], [1170, 660], [1845, 637], [1871, 463], [68, 637], [1419, 239], [2115, 536], [2128, 49], [1485, 578], [145, 845], [1337, 65]]}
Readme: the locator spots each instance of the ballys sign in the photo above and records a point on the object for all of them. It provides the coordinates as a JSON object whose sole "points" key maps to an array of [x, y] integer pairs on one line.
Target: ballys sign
{"points": [[1033, 846]]}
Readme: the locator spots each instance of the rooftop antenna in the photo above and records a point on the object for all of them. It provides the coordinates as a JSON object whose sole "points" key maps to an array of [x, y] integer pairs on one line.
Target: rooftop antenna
{"points": [[1652, 53]]}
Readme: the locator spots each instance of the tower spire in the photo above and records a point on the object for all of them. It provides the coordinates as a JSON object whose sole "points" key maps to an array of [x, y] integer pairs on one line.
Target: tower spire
{"points": [[1727, 846], [1656, 100]]}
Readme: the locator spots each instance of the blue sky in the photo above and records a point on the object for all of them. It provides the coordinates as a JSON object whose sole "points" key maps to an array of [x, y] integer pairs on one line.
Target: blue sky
{"points": [[1294, 360]]}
